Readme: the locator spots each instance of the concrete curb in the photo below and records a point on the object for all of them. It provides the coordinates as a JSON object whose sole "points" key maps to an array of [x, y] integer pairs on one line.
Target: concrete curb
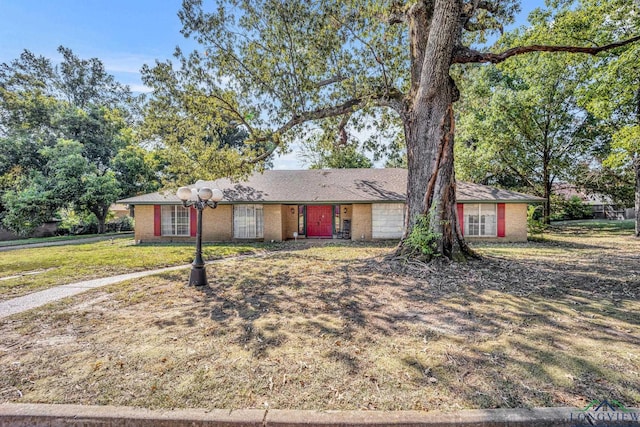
{"points": [[40, 415]]}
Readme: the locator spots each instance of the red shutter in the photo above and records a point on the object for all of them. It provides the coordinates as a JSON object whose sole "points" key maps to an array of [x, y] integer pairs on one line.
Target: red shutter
{"points": [[193, 221], [157, 220], [501, 227], [461, 217]]}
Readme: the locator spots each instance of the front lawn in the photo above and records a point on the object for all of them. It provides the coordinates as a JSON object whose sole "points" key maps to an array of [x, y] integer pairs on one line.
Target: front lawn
{"points": [[27, 270], [551, 323]]}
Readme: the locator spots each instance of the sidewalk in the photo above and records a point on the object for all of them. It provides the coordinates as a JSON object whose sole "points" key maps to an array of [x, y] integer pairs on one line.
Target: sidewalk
{"points": [[37, 299], [40, 298]]}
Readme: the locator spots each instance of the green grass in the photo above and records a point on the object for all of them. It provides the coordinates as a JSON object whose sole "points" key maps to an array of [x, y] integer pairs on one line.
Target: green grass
{"points": [[56, 239], [594, 226], [40, 268]]}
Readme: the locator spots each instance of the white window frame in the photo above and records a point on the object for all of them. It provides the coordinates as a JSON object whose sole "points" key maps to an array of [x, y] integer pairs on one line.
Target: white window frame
{"points": [[248, 222], [480, 219], [175, 220]]}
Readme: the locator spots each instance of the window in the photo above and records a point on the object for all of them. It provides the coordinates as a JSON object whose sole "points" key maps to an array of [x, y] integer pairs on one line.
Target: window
{"points": [[175, 221], [248, 222], [301, 225], [480, 220]]}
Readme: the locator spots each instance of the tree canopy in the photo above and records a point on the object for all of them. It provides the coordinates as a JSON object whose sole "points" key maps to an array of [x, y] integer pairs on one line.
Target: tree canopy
{"points": [[66, 140], [278, 68]]}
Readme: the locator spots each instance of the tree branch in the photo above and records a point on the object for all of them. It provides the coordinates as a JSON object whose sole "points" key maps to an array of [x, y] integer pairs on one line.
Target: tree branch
{"points": [[476, 26], [466, 55], [391, 99]]}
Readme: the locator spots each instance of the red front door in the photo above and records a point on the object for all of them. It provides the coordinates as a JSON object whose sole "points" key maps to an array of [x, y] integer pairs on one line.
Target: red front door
{"points": [[319, 221]]}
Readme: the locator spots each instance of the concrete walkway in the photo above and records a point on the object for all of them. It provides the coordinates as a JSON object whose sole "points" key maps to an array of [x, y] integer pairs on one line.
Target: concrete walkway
{"points": [[37, 299]]}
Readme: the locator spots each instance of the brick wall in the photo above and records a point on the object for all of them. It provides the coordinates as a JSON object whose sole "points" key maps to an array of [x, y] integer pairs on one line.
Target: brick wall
{"points": [[217, 224], [272, 223], [348, 215], [289, 221], [361, 222], [144, 224], [515, 219]]}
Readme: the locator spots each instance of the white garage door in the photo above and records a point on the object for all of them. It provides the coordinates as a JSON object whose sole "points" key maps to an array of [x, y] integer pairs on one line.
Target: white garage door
{"points": [[387, 220]]}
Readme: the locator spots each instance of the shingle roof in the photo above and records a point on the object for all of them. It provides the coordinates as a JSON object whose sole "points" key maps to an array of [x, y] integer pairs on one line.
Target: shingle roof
{"points": [[330, 186]]}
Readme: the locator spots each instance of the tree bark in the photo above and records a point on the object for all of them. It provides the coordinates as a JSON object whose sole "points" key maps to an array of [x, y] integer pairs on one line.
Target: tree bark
{"points": [[546, 182], [636, 165], [429, 130]]}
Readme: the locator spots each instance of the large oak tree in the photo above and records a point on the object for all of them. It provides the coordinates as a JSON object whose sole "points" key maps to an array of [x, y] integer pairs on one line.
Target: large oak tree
{"points": [[276, 66]]}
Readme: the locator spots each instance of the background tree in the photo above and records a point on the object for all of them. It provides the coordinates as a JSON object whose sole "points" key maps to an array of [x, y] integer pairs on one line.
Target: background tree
{"points": [[521, 127], [324, 149], [61, 128], [189, 126], [273, 66], [614, 95]]}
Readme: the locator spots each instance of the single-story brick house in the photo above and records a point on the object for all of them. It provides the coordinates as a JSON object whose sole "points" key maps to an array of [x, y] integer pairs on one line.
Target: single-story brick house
{"points": [[358, 204]]}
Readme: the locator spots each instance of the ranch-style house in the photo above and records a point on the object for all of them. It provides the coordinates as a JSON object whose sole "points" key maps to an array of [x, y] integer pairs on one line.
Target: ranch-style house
{"points": [[357, 204]]}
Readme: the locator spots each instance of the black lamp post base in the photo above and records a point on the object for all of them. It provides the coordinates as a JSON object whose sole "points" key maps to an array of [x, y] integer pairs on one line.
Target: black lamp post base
{"points": [[198, 276]]}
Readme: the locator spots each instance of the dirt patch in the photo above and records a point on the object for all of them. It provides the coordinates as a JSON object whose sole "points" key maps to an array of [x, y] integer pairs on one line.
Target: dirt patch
{"points": [[554, 323]]}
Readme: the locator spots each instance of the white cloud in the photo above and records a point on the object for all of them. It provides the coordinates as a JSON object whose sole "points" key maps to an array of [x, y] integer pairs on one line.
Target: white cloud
{"points": [[140, 88], [289, 161], [126, 63]]}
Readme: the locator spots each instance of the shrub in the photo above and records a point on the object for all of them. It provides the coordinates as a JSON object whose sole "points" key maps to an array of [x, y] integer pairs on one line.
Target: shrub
{"points": [[535, 222], [572, 208], [422, 240]]}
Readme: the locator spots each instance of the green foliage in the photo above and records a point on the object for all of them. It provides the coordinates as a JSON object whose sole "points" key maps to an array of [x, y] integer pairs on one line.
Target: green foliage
{"points": [[520, 125], [61, 129], [136, 170], [571, 208], [612, 94], [199, 138], [76, 223], [125, 223], [616, 183], [334, 156], [422, 239], [535, 221], [29, 208]]}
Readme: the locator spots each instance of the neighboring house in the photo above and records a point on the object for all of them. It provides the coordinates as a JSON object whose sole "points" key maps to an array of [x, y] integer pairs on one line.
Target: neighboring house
{"points": [[358, 204], [119, 210], [601, 205]]}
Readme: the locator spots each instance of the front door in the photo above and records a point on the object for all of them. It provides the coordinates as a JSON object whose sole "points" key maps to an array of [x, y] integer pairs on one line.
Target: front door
{"points": [[319, 221]]}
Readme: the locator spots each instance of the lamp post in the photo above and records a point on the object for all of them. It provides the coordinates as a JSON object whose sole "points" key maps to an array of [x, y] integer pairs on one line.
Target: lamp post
{"points": [[199, 198]]}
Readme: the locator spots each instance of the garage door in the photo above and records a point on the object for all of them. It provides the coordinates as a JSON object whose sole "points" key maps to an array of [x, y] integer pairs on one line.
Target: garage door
{"points": [[387, 220]]}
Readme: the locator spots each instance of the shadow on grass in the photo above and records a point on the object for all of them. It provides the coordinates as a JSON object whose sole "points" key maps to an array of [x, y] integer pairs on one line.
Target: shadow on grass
{"points": [[510, 326]]}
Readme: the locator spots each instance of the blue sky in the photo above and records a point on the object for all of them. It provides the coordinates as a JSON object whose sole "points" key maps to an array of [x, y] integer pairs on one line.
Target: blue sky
{"points": [[123, 34]]}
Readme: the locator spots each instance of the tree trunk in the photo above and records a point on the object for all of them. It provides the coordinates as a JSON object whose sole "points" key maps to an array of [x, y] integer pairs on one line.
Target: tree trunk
{"points": [[636, 165], [429, 129], [101, 225], [547, 201], [101, 215]]}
